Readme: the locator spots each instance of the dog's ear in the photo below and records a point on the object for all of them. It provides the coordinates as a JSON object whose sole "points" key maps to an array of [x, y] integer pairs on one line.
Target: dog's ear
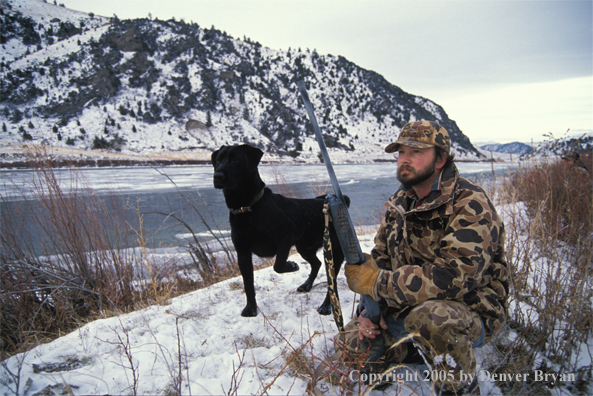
{"points": [[253, 155], [213, 157]]}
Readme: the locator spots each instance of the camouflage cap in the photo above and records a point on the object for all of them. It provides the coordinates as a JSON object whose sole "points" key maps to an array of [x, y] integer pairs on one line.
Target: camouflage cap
{"points": [[422, 134]]}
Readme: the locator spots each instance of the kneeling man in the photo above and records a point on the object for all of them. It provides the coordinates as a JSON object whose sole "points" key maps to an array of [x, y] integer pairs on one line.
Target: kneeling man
{"points": [[438, 268]]}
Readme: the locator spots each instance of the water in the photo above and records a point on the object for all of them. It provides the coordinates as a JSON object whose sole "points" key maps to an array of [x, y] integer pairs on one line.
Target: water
{"points": [[159, 195]]}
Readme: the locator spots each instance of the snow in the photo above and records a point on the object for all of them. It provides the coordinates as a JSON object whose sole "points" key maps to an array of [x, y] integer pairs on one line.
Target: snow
{"points": [[201, 338], [43, 13], [363, 133], [213, 338]]}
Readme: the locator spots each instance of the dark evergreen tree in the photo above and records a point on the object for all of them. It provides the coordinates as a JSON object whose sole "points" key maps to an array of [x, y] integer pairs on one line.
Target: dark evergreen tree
{"points": [[208, 119]]}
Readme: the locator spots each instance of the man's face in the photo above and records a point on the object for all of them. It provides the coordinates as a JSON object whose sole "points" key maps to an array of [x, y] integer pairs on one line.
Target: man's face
{"points": [[414, 165]]}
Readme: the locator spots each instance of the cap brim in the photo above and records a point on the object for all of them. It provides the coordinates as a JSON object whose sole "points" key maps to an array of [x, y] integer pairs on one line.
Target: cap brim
{"points": [[393, 147]]}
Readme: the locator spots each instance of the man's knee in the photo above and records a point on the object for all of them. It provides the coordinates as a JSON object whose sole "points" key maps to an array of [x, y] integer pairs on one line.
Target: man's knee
{"points": [[444, 321], [444, 332]]}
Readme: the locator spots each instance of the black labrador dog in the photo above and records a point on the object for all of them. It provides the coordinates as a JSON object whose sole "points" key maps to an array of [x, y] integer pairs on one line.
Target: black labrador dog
{"points": [[269, 224]]}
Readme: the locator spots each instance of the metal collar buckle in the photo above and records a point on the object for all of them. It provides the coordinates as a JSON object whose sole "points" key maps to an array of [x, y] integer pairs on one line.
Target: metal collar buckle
{"points": [[247, 209]]}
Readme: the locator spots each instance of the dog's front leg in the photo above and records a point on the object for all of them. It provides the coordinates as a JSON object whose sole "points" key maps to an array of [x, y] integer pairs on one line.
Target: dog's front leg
{"points": [[281, 265], [246, 268], [310, 255]]}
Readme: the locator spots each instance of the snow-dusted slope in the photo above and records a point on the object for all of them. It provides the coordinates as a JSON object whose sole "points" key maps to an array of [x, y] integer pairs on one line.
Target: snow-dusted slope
{"points": [[148, 85], [201, 340]]}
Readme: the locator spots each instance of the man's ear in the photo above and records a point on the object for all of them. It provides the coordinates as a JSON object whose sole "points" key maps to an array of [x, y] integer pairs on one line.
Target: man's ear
{"points": [[441, 160]]}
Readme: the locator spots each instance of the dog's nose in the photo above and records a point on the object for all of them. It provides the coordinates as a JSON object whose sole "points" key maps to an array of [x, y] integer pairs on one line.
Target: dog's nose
{"points": [[218, 178]]}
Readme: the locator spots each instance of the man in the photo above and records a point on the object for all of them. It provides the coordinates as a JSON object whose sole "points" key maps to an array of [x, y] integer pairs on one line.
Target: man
{"points": [[438, 268], [572, 159]]}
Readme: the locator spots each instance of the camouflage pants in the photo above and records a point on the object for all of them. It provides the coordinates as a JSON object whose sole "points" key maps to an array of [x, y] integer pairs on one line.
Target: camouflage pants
{"points": [[445, 333]]}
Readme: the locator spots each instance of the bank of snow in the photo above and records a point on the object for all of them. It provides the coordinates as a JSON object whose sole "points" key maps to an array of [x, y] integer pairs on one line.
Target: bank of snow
{"points": [[202, 333]]}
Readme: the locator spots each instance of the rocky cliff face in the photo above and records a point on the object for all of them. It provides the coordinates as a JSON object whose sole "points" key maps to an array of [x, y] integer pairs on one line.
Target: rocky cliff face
{"points": [[169, 85]]}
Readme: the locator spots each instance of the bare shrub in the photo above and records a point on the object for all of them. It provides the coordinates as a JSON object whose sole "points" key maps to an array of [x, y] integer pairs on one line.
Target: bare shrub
{"points": [[548, 218], [73, 264], [559, 195], [68, 256]]}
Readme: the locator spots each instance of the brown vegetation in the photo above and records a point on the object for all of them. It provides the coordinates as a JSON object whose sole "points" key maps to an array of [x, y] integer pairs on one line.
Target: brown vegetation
{"points": [[548, 210], [84, 269]]}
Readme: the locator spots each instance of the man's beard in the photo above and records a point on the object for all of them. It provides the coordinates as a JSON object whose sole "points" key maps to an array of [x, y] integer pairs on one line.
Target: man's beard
{"points": [[417, 177]]}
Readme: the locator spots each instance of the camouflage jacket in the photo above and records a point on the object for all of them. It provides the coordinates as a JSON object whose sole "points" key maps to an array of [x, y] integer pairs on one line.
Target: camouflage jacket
{"points": [[451, 246]]}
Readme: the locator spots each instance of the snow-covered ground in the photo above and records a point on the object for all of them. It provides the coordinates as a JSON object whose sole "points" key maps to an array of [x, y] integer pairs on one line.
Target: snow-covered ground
{"points": [[201, 339]]}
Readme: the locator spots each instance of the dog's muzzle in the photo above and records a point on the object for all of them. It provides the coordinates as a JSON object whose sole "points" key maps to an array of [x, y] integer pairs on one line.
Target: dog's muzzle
{"points": [[219, 179]]}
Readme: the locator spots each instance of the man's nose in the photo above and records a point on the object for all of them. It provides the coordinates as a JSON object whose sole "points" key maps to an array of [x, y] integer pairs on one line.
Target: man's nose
{"points": [[403, 158]]}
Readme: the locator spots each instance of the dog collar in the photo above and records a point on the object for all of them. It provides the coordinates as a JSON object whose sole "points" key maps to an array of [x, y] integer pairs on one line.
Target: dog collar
{"points": [[246, 209]]}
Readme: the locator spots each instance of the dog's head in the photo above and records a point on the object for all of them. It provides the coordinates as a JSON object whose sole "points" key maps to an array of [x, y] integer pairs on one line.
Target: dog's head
{"points": [[234, 164]]}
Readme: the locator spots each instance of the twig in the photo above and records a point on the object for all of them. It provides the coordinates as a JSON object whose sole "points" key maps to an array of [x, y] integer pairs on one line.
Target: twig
{"points": [[235, 378]]}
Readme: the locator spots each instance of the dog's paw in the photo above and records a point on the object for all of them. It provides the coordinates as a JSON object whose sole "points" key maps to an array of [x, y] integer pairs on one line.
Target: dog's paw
{"points": [[305, 287], [249, 311], [289, 266], [325, 309]]}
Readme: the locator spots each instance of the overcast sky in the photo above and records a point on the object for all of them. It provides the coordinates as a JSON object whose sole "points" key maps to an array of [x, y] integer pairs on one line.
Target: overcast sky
{"points": [[504, 70]]}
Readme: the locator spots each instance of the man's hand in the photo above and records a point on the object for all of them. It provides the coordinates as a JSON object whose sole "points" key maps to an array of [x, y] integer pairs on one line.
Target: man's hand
{"points": [[362, 279], [368, 329]]}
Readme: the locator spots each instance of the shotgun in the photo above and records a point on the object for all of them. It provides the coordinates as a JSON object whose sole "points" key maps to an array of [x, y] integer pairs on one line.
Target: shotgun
{"points": [[339, 213]]}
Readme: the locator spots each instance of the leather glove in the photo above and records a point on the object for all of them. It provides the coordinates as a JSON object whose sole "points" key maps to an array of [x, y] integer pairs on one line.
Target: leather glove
{"points": [[362, 279]]}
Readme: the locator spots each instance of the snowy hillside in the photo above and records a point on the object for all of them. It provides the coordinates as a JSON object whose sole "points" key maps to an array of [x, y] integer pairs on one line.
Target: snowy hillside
{"points": [[141, 86], [517, 148]]}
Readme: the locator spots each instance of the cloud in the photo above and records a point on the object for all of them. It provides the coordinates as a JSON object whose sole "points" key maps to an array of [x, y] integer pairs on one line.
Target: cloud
{"points": [[525, 111], [413, 43]]}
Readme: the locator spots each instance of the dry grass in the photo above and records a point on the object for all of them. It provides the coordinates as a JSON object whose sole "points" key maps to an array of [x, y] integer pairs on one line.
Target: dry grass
{"points": [[83, 268], [80, 268], [548, 218]]}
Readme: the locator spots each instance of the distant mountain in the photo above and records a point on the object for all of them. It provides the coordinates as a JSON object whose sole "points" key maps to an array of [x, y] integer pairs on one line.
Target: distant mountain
{"points": [[555, 147], [79, 80], [508, 148]]}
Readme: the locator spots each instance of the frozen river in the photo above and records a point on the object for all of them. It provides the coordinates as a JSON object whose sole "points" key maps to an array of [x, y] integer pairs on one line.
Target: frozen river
{"points": [[186, 190], [14, 184]]}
